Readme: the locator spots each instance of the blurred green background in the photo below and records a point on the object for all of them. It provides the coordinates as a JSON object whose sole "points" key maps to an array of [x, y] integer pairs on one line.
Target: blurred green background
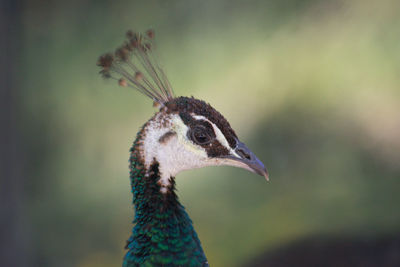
{"points": [[312, 87]]}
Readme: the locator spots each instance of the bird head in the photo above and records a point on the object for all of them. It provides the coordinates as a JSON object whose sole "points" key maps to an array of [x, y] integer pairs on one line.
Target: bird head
{"points": [[186, 133]]}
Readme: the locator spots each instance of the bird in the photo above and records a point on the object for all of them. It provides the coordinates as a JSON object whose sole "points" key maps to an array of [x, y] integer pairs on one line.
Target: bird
{"points": [[185, 133]]}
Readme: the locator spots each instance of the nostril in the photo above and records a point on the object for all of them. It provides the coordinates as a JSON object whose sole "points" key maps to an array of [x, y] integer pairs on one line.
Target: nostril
{"points": [[243, 154]]}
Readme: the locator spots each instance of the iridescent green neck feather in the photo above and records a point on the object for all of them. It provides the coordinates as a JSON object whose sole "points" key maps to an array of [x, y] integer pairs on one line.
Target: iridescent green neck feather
{"points": [[163, 234], [185, 134]]}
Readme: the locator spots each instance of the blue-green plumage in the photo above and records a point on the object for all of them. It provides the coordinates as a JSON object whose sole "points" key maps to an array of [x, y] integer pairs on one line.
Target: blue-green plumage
{"points": [[163, 234], [186, 133]]}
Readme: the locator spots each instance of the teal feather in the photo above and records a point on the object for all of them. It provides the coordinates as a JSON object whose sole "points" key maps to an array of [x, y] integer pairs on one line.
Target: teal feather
{"points": [[163, 234]]}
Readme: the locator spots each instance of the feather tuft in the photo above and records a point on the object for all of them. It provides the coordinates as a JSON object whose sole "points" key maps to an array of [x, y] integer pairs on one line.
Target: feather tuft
{"points": [[134, 65]]}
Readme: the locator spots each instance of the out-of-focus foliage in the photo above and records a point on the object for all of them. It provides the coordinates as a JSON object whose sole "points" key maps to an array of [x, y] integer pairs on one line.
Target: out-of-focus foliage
{"points": [[312, 86]]}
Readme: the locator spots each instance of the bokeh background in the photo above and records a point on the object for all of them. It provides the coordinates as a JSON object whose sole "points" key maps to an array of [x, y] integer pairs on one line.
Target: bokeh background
{"points": [[311, 86]]}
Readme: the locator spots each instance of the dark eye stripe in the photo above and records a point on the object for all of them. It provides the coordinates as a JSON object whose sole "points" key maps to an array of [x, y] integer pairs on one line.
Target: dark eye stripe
{"points": [[207, 126], [199, 135], [213, 148], [201, 132], [185, 106], [192, 122], [216, 149]]}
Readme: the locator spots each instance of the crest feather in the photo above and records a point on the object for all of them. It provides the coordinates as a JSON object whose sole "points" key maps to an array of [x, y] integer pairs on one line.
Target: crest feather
{"points": [[135, 65]]}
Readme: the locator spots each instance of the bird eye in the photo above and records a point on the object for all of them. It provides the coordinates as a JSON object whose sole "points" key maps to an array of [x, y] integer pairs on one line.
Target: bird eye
{"points": [[199, 135]]}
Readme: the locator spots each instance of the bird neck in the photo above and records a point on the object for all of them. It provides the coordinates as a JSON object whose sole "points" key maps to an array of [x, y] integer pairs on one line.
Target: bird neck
{"points": [[163, 234]]}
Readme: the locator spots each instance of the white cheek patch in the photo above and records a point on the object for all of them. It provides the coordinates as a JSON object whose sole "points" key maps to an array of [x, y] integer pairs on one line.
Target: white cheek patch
{"points": [[219, 135], [178, 153], [152, 133], [174, 155]]}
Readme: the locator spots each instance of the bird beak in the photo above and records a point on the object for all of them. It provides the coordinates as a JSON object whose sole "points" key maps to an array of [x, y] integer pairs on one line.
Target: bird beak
{"points": [[246, 159]]}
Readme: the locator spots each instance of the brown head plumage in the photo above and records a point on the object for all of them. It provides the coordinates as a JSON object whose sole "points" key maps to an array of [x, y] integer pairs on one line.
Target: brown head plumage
{"points": [[186, 133]]}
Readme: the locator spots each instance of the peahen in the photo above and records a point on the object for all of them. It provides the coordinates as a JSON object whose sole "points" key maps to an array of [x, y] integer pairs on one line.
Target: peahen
{"points": [[185, 133]]}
